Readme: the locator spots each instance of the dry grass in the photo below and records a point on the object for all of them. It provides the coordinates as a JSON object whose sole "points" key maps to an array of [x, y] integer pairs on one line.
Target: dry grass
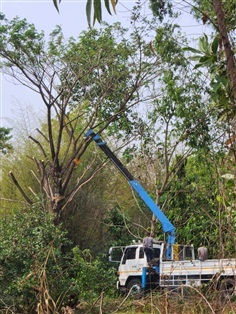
{"points": [[191, 301]]}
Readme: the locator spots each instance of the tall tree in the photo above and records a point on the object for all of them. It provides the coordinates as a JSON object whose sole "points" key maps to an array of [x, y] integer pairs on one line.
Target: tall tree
{"points": [[218, 58], [91, 83], [178, 123], [224, 36]]}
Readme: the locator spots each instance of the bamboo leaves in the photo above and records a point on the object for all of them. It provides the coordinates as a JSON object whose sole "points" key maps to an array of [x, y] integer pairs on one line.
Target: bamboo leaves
{"points": [[97, 9], [94, 6]]}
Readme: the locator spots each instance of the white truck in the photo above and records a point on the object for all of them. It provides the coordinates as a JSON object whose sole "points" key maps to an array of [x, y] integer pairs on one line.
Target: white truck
{"points": [[173, 265], [182, 269]]}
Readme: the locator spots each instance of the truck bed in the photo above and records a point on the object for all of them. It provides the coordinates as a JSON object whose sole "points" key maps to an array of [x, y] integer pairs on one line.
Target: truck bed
{"points": [[175, 273]]}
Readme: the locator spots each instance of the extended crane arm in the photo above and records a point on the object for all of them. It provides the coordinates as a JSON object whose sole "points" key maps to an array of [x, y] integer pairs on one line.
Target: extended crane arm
{"points": [[137, 187]]}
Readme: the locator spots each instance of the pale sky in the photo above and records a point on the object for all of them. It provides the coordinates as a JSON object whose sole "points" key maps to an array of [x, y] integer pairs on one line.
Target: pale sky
{"points": [[72, 18], [44, 16]]}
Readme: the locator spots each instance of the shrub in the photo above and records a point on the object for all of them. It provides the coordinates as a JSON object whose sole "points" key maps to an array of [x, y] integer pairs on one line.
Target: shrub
{"points": [[92, 276], [32, 266], [37, 274]]}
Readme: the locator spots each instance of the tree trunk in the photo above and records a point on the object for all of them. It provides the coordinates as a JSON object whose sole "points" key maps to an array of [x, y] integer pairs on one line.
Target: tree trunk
{"points": [[230, 60]]}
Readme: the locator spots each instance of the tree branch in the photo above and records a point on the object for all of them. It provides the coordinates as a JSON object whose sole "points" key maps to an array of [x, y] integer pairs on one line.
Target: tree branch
{"points": [[20, 188]]}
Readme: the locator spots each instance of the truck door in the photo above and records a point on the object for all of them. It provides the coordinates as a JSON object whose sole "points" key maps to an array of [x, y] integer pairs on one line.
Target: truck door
{"points": [[129, 266], [129, 258], [116, 253]]}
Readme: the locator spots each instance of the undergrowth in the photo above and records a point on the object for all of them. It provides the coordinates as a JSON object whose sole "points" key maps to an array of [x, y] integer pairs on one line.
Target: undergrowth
{"points": [[165, 302]]}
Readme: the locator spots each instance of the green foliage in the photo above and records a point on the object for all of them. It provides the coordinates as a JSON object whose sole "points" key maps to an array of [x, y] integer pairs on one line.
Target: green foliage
{"points": [[35, 270], [196, 203], [161, 8], [167, 45], [182, 108], [37, 267], [31, 259], [19, 38], [106, 62], [97, 9], [92, 276], [4, 138], [90, 82], [182, 105], [97, 71], [203, 11], [117, 228], [90, 207], [210, 57], [111, 60], [208, 53]]}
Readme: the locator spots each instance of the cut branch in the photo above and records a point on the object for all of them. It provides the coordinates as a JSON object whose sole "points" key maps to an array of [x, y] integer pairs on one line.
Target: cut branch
{"points": [[41, 147], [20, 188]]}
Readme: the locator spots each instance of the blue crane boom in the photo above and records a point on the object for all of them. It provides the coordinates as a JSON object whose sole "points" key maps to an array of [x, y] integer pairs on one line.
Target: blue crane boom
{"points": [[137, 187]]}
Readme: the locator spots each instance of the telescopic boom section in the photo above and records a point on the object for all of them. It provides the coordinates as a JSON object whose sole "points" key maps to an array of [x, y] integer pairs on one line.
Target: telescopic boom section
{"points": [[137, 187]]}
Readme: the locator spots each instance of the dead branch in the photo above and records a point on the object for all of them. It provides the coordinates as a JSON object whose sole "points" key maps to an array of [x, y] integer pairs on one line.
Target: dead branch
{"points": [[20, 188], [39, 144], [43, 135]]}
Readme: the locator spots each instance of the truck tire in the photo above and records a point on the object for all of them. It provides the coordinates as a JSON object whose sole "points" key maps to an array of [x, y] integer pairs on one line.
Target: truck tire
{"points": [[227, 287], [134, 288]]}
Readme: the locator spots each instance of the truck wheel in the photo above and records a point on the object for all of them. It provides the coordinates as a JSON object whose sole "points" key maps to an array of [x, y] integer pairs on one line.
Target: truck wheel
{"points": [[227, 287], [134, 288]]}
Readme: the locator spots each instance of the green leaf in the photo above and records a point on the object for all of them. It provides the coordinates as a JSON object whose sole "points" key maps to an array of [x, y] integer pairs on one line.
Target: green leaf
{"points": [[205, 59], [195, 58], [222, 79], [107, 5], [114, 3], [88, 11], [55, 5], [215, 44], [219, 198], [97, 10], [198, 66], [191, 49], [203, 43]]}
